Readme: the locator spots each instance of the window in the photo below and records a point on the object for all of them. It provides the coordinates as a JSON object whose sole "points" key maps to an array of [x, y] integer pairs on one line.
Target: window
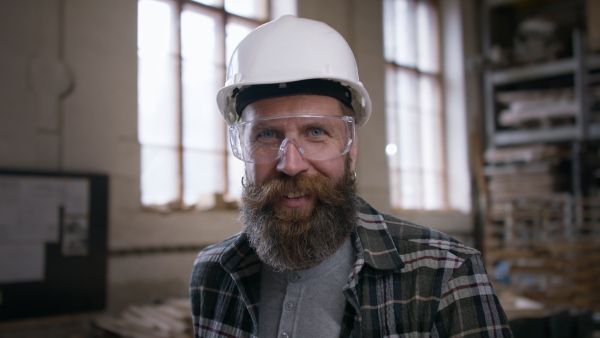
{"points": [[414, 104], [183, 46]]}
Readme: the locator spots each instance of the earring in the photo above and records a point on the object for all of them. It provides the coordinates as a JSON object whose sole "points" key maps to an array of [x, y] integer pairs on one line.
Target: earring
{"points": [[353, 177], [243, 183]]}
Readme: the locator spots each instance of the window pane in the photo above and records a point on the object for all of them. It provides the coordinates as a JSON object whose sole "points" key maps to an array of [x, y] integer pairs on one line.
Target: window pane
{"points": [[157, 80], [198, 36], [411, 34], [236, 172], [389, 38], [156, 33], [159, 176], [203, 128], [409, 146], [427, 37], [432, 194], [403, 117], [413, 105], [182, 57], [411, 192], [157, 101], [399, 29], [430, 132], [431, 141], [254, 9], [201, 176], [408, 119], [414, 133]]}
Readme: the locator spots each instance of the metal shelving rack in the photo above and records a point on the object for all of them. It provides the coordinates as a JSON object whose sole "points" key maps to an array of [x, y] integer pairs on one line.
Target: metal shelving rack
{"points": [[578, 66], [580, 69]]}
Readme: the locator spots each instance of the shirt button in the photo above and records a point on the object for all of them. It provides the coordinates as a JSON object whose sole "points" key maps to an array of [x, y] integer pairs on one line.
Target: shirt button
{"points": [[289, 306], [294, 277]]}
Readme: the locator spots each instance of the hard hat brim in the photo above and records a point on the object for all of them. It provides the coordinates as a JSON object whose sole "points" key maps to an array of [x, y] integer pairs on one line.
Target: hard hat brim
{"points": [[360, 103]]}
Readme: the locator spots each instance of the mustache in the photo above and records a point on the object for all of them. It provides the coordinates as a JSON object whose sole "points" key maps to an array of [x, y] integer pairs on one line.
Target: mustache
{"points": [[299, 239], [270, 191]]}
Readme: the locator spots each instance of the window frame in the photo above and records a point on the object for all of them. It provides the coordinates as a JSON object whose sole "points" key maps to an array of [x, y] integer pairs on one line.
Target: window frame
{"points": [[391, 66], [224, 17]]}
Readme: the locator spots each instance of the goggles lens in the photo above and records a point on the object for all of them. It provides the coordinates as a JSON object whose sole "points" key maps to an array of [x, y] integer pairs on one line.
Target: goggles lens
{"points": [[315, 137]]}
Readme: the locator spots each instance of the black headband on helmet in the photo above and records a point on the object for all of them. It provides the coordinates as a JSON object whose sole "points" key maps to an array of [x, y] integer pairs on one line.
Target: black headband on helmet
{"points": [[245, 96]]}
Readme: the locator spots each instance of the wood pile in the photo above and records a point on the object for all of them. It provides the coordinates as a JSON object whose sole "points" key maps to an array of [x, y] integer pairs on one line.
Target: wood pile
{"points": [[543, 108], [520, 172], [171, 319], [549, 240], [552, 246], [526, 171]]}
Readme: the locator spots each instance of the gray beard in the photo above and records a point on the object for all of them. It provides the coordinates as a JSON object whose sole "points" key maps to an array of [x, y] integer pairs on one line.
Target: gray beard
{"points": [[303, 242]]}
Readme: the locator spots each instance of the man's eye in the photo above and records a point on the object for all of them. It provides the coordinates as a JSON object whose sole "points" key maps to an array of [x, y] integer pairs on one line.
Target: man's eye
{"points": [[316, 132], [266, 134]]}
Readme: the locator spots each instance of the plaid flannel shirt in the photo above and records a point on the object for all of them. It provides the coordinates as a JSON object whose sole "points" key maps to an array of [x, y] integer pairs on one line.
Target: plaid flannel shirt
{"points": [[407, 281]]}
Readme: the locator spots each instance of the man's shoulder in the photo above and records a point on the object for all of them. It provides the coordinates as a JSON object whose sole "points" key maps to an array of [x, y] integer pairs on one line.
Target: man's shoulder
{"points": [[404, 230], [211, 255], [410, 237]]}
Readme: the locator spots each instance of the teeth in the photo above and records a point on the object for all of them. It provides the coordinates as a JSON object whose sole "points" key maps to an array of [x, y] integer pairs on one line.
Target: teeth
{"points": [[296, 194]]}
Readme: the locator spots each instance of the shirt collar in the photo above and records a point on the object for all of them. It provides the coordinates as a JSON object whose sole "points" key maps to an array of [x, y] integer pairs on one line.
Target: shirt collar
{"points": [[239, 256], [374, 241]]}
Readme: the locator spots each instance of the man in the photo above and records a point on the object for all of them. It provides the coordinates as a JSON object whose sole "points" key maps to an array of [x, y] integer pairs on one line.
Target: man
{"points": [[314, 259]]}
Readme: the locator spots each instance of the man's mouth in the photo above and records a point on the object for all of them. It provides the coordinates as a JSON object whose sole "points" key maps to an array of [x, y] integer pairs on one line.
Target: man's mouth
{"points": [[295, 194]]}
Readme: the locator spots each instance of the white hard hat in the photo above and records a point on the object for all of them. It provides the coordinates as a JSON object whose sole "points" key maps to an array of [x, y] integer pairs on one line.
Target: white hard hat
{"points": [[293, 52]]}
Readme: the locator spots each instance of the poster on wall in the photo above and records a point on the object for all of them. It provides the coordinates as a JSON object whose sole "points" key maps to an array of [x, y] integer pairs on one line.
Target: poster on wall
{"points": [[31, 210], [53, 243]]}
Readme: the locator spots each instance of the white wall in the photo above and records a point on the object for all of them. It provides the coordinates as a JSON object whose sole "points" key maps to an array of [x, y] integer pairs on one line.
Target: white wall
{"points": [[68, 103]]}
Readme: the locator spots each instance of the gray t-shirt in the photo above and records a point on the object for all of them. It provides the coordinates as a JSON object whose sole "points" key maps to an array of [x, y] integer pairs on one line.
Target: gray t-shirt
{"points": [[306, 303]]}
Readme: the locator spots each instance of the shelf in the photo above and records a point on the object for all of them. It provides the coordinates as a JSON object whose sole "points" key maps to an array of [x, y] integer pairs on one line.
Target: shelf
{"points": [[499, 3], [533, 72], [541, 70], [515, 137], [559, 134], [495, 3]]}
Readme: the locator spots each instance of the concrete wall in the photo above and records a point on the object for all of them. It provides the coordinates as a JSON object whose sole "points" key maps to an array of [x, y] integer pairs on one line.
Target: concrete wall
{"points": [[68, 103]]}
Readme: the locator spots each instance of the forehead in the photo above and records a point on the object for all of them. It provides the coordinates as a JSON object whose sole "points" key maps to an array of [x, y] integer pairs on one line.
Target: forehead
{"points": [[292, 105]]}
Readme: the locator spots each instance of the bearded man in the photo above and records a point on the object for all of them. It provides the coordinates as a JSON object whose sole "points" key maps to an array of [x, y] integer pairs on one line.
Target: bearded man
{"points": [[314, 259]]}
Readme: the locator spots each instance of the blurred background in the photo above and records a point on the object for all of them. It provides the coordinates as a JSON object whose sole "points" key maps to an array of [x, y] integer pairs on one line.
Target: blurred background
{"points": [[115, 169]]}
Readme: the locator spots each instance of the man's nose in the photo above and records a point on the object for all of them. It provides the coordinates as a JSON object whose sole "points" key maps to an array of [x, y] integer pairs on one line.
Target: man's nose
{"points": [[292, 161]]}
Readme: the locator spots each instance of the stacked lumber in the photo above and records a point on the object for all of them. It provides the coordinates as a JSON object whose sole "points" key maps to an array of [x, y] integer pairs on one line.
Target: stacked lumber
{"points": [[170, 319], [553, 248], [524, 172], [520, 172], [542, 108]]}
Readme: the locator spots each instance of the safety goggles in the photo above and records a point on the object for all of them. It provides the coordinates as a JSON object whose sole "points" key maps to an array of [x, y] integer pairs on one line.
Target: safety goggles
{"points": [[315, 137]]}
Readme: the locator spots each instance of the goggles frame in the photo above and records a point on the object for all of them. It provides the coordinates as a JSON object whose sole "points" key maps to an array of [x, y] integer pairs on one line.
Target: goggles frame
{"points": [[234, 136]]}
